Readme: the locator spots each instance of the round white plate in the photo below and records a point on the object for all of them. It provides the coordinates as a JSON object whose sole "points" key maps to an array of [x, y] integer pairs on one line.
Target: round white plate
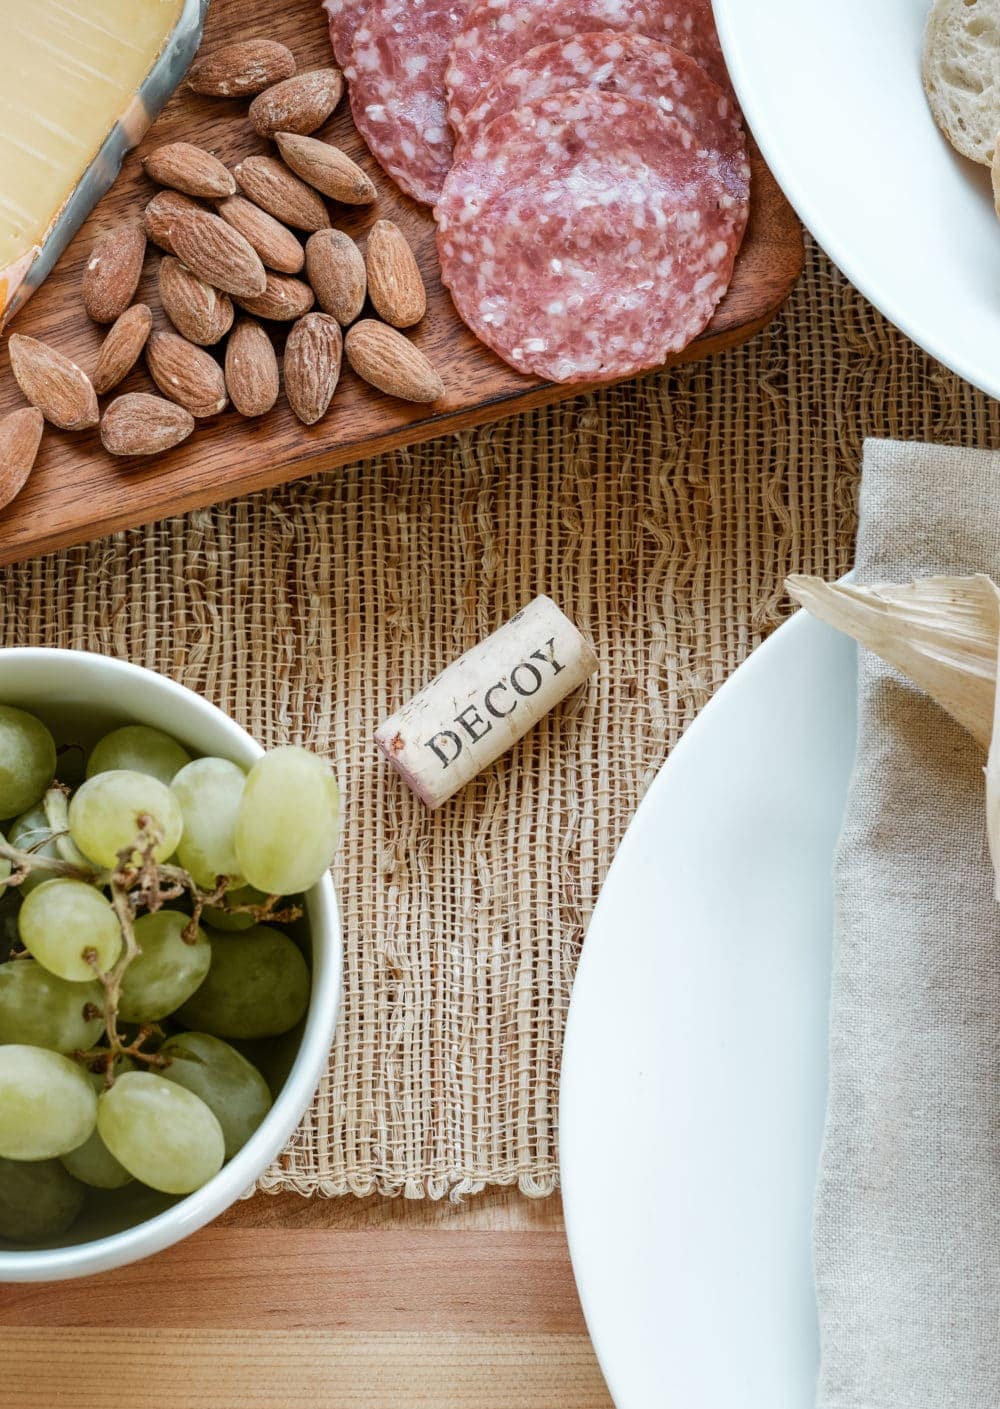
{"points": [[694, 1074], [831, 90]]}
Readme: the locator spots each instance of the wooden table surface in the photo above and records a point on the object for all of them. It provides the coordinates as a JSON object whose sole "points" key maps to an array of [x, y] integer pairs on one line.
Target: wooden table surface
{"points": [[303, 1303]]}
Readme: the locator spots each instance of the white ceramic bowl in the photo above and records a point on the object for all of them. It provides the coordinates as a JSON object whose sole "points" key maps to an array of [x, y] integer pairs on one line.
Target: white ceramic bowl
{"points": [[833, 95], [57, 685]]}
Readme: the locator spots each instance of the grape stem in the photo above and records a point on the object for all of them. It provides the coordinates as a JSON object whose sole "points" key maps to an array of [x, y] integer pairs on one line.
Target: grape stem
{"points": [[24, 862], [137, 882]]}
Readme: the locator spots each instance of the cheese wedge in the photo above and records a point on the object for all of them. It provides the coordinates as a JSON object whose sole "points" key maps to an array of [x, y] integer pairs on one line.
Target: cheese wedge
{"points": [[69, 70]]}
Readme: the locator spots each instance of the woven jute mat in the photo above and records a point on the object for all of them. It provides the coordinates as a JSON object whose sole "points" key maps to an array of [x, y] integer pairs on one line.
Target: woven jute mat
{"points": [[662, 516]]}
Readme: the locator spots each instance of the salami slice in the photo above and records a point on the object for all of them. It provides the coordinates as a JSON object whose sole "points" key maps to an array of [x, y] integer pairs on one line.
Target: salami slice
{"points": [[343, 17], [497, 31], [396, 83], [617, 62], [586, 236]]}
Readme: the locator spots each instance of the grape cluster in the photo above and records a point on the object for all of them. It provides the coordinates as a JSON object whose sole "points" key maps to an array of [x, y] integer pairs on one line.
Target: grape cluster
{"points": [[143, 960]]}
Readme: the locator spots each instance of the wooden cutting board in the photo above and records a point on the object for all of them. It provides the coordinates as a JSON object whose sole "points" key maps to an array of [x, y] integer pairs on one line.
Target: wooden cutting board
{"points": [[78, 492], [289, 1303]]}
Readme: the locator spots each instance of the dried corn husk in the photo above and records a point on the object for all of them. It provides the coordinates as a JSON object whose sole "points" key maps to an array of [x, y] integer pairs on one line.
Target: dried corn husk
{"points": [[943, 633]]}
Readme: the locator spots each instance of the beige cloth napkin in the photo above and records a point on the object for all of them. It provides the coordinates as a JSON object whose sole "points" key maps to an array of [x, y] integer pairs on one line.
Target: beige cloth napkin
{"points": [[907, 1226]]}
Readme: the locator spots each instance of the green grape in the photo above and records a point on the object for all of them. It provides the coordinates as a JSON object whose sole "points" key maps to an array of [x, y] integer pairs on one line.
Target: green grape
{"points": [[288, 822], [162, 1133], [220, 918], [138, 749], [63, 921], [5, 866], [31, 832], [105, 810], [209, 792], [38, 1200], [27, 760], [47, 1105], [224, 1080], [92, 1162], [167, 970], [258, 986], [41, 1010]]}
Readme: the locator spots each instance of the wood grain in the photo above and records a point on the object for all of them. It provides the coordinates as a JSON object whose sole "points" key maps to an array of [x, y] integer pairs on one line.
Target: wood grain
{"points": [[78, 492], [84, 1369], [303, 1312]]}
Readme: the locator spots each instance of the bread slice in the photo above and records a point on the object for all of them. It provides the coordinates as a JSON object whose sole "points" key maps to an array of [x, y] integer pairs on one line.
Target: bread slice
{"points": [[961, 72]]}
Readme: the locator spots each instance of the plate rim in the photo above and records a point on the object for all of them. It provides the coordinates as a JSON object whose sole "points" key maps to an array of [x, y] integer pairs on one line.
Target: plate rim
{"points": [[832, 245], [779, 642]]}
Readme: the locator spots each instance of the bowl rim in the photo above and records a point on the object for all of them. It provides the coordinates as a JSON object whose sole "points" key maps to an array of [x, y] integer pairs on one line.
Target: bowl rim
{"points": [[240, 1173]]}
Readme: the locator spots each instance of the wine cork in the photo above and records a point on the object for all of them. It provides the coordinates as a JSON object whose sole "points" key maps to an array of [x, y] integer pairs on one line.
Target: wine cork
{"points": [[485, 701]]}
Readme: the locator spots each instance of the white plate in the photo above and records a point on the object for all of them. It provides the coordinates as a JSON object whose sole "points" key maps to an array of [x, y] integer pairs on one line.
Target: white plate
{"points": [[694, 1074], [832, 92]]}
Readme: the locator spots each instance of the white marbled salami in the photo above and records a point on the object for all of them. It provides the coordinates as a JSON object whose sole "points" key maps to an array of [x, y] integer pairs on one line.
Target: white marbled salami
{"points": [[343, 18], [587, 236], [396, 85], [617, 62], [495, 32]]}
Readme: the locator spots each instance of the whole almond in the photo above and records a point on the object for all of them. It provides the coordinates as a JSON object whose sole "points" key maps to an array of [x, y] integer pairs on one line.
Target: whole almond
{"points": [[299, 104], [189, 169], [251, 369], [270, 184], [312, 365], [60, 389], [217, 253], [237, 70], [186, 374], [277, 246], [198, 312], [122, 347], [336, 269], [283, 299], [327, 168], [160, 213], [395, 285], [387, 360], [20, 436], [140, 424], [113, 270]]}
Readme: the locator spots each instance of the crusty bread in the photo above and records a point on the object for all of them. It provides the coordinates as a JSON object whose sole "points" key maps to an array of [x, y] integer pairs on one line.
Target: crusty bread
{"points": [[961, 72]]}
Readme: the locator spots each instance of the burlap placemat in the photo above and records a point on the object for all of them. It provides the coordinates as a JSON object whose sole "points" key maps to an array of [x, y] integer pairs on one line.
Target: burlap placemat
{"points": [[662, 516]]}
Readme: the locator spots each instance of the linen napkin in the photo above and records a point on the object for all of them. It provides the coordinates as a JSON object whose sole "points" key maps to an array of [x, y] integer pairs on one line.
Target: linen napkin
{"points": [[907, 1222]]}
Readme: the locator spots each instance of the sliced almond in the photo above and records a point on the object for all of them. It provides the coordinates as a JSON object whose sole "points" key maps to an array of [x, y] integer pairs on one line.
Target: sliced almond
{"points": [[140, 424], [274, 242], [199, 313], [283, 299], [312, 365], [60, 389], [327, 168], [122, 347], [159, 215], [336, 269], [189, 169], [299, 104], [237, 70], [395, 284], [20, 437], [251, 369], [387, 360], [186, 374], [217, 253], [270, 184], [112, 272]]}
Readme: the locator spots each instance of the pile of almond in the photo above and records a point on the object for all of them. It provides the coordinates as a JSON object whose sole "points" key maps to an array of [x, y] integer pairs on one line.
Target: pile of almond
{"points": [[230, 263]]}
